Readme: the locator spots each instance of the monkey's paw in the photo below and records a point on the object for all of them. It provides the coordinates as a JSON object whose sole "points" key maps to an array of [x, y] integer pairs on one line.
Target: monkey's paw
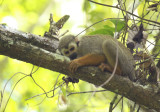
{"points": [[104, 67], [73, 66]]}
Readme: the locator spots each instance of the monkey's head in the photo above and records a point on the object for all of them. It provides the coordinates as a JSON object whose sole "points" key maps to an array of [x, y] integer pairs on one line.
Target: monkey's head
{"points": [[68, 46]]}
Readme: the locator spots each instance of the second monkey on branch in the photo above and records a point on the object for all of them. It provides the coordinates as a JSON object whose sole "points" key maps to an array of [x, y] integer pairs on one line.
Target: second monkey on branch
{"points": [[97, 50]]}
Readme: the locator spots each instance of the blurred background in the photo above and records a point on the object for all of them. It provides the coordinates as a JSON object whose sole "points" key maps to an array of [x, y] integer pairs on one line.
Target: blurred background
{"points": [[33, 16]]}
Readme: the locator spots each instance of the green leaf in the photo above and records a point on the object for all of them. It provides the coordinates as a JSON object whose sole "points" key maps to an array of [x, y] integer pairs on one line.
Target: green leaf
{"points": [[102, 31], [118, 24], [109, 28], [86, 6]]}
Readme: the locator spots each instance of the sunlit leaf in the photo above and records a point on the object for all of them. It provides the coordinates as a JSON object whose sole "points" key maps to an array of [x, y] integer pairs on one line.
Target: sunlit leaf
{"points": [[107, 27], [102, 31], [118, 24]]}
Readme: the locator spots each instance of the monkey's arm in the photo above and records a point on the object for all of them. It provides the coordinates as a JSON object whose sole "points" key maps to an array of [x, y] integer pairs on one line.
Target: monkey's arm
{"points": [[89, 59]]}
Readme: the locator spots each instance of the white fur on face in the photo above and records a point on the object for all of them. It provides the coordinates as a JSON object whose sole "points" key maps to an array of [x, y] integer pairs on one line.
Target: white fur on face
{"points": [[72, 48]]}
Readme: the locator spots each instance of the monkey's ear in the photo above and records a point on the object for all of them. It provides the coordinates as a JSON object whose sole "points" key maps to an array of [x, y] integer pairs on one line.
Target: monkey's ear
{"points": [[77, 41]]}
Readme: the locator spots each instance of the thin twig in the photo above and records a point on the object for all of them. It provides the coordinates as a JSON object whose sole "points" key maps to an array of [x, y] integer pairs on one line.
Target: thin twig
{"points": [[139, 108], [56, 83], [122, 105], [2, 92], [118, 102], [13, 90], [86, 92], [45, 92], [124, 11], [112, 103]]}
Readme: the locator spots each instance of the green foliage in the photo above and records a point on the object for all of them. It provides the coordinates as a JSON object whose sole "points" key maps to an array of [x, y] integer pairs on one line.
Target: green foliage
{"points": [[108, 30], [102, 31], [119, 25]]}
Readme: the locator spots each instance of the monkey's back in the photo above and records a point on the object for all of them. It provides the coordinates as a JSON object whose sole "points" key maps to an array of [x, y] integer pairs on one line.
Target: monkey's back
{"points": [[91, 44]]}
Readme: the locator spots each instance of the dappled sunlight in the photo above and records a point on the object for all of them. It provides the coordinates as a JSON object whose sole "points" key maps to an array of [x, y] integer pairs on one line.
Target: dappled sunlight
{"points": [[10, 21]]}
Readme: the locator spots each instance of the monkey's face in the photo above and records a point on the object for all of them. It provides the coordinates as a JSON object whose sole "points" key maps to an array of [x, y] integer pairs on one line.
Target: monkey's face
{"points": [[70, 51]]}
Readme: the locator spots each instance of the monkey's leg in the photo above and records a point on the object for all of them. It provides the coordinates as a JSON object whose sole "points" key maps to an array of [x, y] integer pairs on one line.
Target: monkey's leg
{"points": [[89, 59], [109, 49], [106, 67]]}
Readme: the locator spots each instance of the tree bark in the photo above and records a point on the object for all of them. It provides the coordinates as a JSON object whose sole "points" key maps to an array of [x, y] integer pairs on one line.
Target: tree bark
{"points": [[40, 51]]}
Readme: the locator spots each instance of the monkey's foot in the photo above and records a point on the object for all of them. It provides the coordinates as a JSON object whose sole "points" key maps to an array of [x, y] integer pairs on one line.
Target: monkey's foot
{"points": [[104, 67]]}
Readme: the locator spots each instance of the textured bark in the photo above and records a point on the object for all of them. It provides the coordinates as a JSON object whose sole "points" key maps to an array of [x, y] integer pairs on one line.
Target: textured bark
{"points": [[40, 51]]}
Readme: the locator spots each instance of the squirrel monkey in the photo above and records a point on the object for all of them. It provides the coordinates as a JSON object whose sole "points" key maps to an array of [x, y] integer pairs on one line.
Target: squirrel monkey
{"points": [[97, 50]]}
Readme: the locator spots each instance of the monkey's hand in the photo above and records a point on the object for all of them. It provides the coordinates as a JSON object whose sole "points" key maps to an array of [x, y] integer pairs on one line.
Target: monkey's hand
{"points": [[73, 66], [105, 67], [89, 59]]}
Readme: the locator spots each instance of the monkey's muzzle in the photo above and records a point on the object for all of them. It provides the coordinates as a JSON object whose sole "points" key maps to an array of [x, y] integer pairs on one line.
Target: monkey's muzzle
{"points": [[73, 56]]}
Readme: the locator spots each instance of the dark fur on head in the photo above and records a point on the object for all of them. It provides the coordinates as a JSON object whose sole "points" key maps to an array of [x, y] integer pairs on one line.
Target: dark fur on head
{"points": [[64, 41]]}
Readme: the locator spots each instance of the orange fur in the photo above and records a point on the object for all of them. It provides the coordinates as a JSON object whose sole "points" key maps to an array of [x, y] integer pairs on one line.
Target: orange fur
{"points": [[89, 59], [92, 59]]}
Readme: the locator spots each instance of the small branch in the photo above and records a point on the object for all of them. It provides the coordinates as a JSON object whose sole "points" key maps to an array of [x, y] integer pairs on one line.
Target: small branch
{"points": [[112, 103], [86, 92], [124, 11], [55, 26]]}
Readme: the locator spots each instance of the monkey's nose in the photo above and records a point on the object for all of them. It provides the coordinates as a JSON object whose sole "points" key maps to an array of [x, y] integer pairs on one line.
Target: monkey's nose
{"points": [[73, 56]]}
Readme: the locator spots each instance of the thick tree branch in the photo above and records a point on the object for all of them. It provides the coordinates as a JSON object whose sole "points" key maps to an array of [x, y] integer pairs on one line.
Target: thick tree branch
{"points": [[40, 51]]}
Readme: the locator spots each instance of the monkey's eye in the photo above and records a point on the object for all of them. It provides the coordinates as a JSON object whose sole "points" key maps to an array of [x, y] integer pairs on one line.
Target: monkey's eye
{"points": [[71, 49], [67, 52]]}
